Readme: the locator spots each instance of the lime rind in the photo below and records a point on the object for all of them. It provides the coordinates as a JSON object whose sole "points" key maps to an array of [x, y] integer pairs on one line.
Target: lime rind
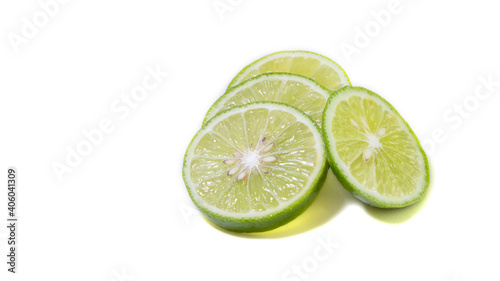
{"points": [[231, 92], [341, 171], [340, 71], [270, 219]]}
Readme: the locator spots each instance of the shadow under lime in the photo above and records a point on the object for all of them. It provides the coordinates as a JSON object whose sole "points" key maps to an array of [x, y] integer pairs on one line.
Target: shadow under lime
{"points": [[331, 199]]}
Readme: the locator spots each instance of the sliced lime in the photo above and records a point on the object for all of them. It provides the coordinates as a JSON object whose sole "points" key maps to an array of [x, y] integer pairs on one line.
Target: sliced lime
{"points": [[255, 167], [317, 67], [372, 150], [298, 91]]}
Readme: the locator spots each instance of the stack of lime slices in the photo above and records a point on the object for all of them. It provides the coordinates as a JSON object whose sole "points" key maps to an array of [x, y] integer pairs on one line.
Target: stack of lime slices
{"points": [[260, 158]]}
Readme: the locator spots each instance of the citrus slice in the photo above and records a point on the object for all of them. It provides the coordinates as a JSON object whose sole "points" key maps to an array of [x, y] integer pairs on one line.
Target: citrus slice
{"points": [[317, 67], [255, 167], [372, 150], [298, 91]]}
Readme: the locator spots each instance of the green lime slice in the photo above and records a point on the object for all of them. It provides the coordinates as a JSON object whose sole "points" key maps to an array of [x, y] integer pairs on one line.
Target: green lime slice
{"points": [[372, 150], [255, 167], [317, 67], [298, 91]]}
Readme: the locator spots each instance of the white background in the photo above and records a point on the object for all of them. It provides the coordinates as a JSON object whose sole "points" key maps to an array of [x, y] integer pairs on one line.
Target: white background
{"points": [[123, 213]]}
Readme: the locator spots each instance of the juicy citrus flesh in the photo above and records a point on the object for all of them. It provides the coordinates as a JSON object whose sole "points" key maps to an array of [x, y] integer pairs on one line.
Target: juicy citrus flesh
{"points": [[374, 150], [298, 91], [253, 162], [317, 67]]}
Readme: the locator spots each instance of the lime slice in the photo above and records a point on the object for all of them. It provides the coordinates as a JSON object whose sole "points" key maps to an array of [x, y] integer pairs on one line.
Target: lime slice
{"points": [[255, 167], [372, 150], [298, 91], [317, 67]]}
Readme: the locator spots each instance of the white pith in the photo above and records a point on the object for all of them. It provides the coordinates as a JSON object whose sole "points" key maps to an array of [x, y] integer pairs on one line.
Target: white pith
{"points": [[244, 162], [343, 78], [250, 159], [374, 144], [373, 139]]}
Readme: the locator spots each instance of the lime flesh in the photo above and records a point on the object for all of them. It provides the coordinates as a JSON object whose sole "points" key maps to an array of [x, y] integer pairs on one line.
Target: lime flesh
{"points": [[317, 67], [372, 150], [298, 91], [255, 167]]}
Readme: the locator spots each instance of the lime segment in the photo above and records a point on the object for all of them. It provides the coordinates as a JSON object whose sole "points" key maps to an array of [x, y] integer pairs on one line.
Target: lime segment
{"points": [[301, 92], [317, 67], [372, 150], [255, 167]]}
